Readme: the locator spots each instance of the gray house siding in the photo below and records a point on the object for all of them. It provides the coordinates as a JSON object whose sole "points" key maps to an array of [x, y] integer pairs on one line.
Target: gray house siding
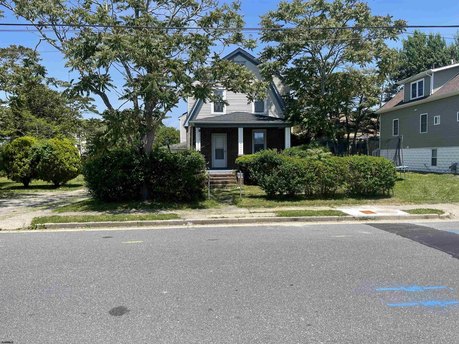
{"points": [[446, 134]]}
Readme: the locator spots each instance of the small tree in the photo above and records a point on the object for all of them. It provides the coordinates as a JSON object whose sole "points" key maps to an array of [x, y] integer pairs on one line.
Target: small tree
{"points": [[18, 160], [57, 161]]}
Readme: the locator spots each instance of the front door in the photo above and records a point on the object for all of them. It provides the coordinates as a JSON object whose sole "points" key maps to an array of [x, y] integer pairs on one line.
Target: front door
{"points": [[219, 156]]}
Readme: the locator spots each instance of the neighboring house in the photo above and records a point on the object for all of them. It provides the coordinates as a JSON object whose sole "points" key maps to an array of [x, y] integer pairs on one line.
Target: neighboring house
{"points": [[222, 132], [419, 127]]}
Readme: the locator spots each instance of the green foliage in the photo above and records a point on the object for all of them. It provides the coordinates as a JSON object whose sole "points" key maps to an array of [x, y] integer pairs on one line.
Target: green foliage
{"points": [[18, 160], [123, 175], [328, 72], [32, 106], [158, 67], [423, 51], [56, 161], [308, 151], [314, 176], [166, 136], [116, 175], [243, 162], [176, 177], [369, 176]]}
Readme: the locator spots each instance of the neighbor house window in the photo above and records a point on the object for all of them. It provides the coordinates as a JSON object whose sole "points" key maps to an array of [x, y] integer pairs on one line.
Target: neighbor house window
{"points": [[457, 116], [395, 127], [434, 157], [417, 89], [218, 106], [259, 106], [258, 140], [423, 123], [436, 120]]}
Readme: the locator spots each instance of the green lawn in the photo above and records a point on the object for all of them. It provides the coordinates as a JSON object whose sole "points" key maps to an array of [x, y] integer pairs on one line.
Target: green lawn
{"points": [[304, 213], [94, 205], [423, 211], [9, 188], [102, 218], [414, 188]]}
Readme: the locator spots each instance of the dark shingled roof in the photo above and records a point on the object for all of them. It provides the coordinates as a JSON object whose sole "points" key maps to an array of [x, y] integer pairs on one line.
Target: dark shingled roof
{"points": [[449, 87], [242, 118]]}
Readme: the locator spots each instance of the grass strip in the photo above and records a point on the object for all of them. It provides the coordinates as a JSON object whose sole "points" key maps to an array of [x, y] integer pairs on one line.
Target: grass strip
{"points": [[102, 218], [304, 213], [424, 211]]}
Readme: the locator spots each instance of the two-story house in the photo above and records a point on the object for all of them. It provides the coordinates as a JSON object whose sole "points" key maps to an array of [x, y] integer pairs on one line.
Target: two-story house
{"points": [[419, 127], [226, 129]]}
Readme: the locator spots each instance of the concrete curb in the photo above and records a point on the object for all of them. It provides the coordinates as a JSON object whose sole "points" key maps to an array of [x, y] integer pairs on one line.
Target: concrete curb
{"points": [[230, 221]]}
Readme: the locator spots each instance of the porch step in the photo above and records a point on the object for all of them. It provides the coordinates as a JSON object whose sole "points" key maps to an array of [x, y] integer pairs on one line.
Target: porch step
{"points": [[222, 179]]}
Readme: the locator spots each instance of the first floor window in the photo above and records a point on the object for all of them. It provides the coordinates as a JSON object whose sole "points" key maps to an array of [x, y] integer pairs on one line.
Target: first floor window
{"points": [[258, 140], [218, 106], [434, 157], [423, 123], [436, 120], [395, 127]]}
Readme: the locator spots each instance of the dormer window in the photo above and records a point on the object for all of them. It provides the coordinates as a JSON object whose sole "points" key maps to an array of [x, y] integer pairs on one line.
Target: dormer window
{"points": [[218, 106], [417, 89], [259, 106]]}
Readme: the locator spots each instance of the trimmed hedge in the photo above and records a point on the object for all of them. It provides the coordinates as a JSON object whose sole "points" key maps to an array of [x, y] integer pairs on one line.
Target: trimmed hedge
{"points": [[125, 175], [176, 177], [279, 174], [116, 175], [369, 176]]}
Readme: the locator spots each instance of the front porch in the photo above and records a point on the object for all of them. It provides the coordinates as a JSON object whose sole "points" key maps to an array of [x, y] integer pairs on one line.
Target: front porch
{"points": [[222, 146]]}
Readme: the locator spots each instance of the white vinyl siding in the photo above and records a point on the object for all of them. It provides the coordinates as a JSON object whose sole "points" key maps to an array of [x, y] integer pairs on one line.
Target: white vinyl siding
{"points": [[417, 89]]}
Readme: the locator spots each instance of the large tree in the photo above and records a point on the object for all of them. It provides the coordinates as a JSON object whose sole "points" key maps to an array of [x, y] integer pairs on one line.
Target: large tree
{"points": [[144, 43], [309, 42], [32, 104], [423, 51]]}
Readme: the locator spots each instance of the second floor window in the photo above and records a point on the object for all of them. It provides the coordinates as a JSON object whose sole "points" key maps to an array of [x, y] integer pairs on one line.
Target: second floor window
{"points": [[259, 106], [423, 123], [218, 106], [417, 89]]}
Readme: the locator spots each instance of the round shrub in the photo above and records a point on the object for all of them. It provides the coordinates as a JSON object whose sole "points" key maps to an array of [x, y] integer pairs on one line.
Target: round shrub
{"points": [[18, 160], [56, 161], [325, 176], [176, 177], [115, 175], [370, 176]]}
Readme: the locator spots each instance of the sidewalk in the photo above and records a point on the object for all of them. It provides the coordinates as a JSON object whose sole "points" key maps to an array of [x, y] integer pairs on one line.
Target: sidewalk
{"points": [[19, 213]]}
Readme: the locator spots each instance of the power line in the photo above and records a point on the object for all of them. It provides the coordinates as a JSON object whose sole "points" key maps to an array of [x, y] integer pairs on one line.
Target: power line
{"points": [[196, 28]]}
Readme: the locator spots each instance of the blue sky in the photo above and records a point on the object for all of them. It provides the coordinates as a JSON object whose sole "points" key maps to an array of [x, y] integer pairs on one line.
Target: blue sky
{"points": [[415, 12]]}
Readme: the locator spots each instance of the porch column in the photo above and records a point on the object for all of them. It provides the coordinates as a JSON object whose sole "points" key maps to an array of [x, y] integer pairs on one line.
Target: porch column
{"points": [[240, 141], [198, 139], [288, 141]]}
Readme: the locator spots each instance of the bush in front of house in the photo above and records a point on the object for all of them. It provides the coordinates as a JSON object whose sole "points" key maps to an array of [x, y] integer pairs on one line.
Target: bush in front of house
{"points": [[56, 160], [280, 174], [18, 159], [125, 175], [369, 176], [176, 177], [116, 175], [308, 151], [243, 163]]}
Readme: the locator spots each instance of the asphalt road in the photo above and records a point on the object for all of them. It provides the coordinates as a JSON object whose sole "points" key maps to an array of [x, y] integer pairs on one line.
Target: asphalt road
{"points": [[291, 284]]}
